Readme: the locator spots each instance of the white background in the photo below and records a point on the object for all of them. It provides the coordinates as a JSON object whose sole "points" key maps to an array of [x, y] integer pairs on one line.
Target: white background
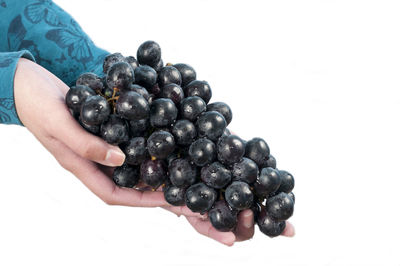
{"points": [[319, 80]]}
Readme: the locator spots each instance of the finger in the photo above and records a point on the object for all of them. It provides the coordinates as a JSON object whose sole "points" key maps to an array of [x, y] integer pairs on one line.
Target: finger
{"points": [[63, 127], [245, 227], [205, 228], [183, 210], [99, 183], [289, 230]]}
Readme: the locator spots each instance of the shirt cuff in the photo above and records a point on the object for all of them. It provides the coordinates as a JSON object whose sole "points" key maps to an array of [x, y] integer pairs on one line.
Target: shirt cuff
{"points": [[8, 66]]}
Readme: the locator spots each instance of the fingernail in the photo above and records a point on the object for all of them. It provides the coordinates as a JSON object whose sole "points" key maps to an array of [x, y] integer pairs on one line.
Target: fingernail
{"points": [[248, 223], [115, 157]]}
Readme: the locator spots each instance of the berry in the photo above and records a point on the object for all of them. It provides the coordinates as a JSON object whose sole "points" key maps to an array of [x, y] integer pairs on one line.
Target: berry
{"points": [[202, 152], [223, 109], [91, 80], [120, 76], [76, 96], [95, 110], [163, 112], [188, 74], [182, 173], [239, 195], [230, 149], [138, 128], [132, 106], [132, 61], [160, 144], [211, 125], [291, 195], [159, 65], [153, 173], [227, 132], [141, 90], [192, 107], [257, 149], [126, 176], [168, 75], [173, 92], [269, 226], [199, 88], [184, 132], [268, 182], [111, 59], [114, 130], [245, 170], [135, 151], [280, 207], [175, 195], [287, 183], [222, 217], [216, 175], [94, 129], [269, 161], [149, 53], [145, 76], [200, 197]]}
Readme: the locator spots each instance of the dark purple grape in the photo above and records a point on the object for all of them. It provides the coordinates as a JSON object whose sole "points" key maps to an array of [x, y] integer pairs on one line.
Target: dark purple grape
{"points": [[175, 195], [135, 151], [76, 96], [91, 80], [168, 75], [160, 144], [223, 109], [131, 60], [268, 182], [188, 74], [269, 161], [153, 173], [184, 132], [211, 125], [222, 217], [138, 128], [268, 225], [291, 195], [239, 195], [199, 88], [226, 133], [155, 90], [230, 149], [126, 176], [141, 90], [173, 92], [257, 149], [95, 110], [159, 65], [94, 129], [132, 106], [202, 152], [111, 59], [149, 53], [245, 170], [163, 113], [182, 173], [280, 207], [287, 183], [192, 107], [120, 75], [145, 76], [200, 197], [216, 175], [115, 130]]}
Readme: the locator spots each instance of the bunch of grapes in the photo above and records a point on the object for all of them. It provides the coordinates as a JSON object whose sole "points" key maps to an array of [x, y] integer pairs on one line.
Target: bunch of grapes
{"points": [[174, 139]]}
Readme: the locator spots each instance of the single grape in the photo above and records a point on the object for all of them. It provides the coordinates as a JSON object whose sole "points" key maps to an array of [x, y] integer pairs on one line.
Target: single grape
{"points": [[245, 170], [287, 183], [160, 144], [94, 129], [227, 132], [138, 128], [126, 176], [135, 151], [115, 130], [199, 88], [291, 195], [175, 195], [141, 90], [200, 197], [91, 80], [163, 112], [216, 175], [268, 182], [211, 125], [188, 74], [257, 149], [131, 60], [182, 173], [223, 109], [159, 65], [169, 75], [145, 76], [120, 76], [149, 53], [76, 96], [153, 173], [239, 195], [222, 217], [280, 207], [269, 161], [184, 132], [230, 149], [111, 59], [173, 92], [268, 225], [132, 106], [192, 107], [202, 152], [95, 110]]}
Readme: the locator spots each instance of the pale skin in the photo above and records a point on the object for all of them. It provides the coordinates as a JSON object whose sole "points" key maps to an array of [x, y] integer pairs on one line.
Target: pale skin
{"points": [[39, 98]]}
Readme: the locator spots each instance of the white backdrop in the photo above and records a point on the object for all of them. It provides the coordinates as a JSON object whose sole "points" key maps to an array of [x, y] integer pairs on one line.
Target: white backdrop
{"points": [[319, 80]]}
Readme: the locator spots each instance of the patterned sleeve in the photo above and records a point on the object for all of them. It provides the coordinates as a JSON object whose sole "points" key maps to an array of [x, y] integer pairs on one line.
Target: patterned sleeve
{"points": [[51, 37]]}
